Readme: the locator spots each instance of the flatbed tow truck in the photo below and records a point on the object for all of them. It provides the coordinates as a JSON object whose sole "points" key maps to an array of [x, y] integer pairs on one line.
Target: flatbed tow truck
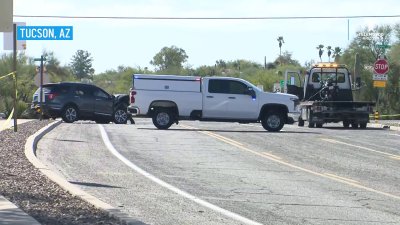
{"points": [[327, 97]]}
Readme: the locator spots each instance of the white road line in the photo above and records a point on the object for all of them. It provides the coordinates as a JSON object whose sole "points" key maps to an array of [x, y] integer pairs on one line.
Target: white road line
{"points": [[162, 183]]}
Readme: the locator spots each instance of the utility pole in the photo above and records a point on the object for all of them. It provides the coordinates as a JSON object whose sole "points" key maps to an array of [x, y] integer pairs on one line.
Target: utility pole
{"points": [[15, 75]]}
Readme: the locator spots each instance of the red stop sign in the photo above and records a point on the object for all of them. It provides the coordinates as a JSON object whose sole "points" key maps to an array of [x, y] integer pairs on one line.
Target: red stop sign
{"points": [[381, 66]]}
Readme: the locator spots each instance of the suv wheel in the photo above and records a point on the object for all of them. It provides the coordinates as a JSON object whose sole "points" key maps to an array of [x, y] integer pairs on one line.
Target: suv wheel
{"points": [[273, 121], [120, 116], [70, 114]]}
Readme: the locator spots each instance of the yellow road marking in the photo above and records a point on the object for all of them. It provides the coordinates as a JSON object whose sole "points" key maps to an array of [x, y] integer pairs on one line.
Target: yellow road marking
{"points": [[396, 158], [271, 155], [341, 178], [222, 138], [334, 177], [360, 147]]}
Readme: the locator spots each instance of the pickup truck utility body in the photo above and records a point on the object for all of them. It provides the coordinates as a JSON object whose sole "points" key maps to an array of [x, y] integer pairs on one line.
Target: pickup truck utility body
{"points": [[327, 97], [170, 98]]}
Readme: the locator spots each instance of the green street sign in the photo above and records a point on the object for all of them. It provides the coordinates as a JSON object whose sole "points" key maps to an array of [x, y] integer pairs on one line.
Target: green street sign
{"points": [[39, 59], [383, 46], [282, 83]]}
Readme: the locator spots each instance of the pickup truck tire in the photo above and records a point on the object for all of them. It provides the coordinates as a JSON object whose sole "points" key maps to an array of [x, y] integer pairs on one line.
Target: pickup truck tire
{"points": [[69, 114], [346, 124], [318, 125], [273, 121], [354, 125], [363, 125], [311, 125], [162, 119]]}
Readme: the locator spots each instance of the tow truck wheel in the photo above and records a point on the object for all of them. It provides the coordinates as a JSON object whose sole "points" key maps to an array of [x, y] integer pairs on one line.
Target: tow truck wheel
{"points": [[301, 122], [273, 121], [354, 125]]}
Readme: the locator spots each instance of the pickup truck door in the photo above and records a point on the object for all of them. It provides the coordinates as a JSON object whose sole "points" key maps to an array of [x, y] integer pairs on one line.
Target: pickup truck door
{"points": [[229, 99], [215, 99]]}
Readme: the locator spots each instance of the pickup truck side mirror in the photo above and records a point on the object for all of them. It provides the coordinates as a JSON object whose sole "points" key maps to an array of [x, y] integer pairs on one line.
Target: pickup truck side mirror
{"points": [[251, 92]]}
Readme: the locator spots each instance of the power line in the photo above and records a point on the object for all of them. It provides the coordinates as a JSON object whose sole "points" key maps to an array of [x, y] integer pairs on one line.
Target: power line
{"points": [[209, 18]]}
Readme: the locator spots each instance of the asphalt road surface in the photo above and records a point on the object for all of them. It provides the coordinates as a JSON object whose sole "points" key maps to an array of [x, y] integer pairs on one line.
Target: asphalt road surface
{"points": [[229, 173]]}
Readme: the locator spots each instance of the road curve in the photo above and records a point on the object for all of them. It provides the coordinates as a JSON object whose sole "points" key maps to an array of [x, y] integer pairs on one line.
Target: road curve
{"points": [[297, 176]]}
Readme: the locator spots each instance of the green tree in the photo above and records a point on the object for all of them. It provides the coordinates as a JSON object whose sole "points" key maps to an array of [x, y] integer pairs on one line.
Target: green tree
{"points": [[280, 41], [286, 59], [337, 52], [81, 65], [329, 52], [371, 39], [53, 67], [170, 59], [320, 51]]}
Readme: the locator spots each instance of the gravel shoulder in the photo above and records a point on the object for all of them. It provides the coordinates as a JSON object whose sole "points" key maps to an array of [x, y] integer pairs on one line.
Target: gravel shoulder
{"points": [[25, 186]]}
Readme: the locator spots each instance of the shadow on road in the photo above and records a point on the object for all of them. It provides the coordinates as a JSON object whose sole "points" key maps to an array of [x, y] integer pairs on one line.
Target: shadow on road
{"points": [[93, 184], [354, 129], [234, 131]]}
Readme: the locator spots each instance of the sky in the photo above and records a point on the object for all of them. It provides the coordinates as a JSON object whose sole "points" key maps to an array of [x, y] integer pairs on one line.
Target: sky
{"points": [[135, 42]]}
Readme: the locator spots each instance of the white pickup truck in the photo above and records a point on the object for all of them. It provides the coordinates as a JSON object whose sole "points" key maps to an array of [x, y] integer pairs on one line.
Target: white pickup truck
{"points": [[170, 98]]}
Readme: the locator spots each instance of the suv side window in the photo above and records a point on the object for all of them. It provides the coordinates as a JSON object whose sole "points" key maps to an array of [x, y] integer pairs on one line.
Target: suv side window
{"points": [[98, 93], [82, 91]]}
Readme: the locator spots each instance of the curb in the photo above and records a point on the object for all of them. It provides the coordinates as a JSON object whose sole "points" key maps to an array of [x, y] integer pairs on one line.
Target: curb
{"points": [[30, 153], [378, 125]]}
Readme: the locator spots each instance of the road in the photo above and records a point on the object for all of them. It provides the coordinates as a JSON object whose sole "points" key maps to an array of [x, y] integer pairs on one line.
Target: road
{"points": [[227, 173]]}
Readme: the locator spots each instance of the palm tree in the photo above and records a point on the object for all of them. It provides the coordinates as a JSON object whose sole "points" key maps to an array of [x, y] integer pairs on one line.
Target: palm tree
{"points": [[321, 51], [329, 48], [281, 41], [336, 53]]}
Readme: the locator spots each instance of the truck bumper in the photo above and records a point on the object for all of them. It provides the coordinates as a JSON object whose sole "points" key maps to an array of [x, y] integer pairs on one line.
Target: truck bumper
{"points": [[293, 117], [133, 110]]}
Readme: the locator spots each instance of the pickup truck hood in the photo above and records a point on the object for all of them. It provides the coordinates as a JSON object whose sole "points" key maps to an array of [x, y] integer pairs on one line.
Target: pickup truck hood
{"points": [[277, 95], [282, 98]]}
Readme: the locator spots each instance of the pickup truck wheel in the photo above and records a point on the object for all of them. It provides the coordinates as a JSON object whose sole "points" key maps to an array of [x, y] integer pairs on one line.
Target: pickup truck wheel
{"points": [[319, 125], [69, 114], [363, 125], [354, 125], [120, 116], [273, 121], [311, 125], [346, 124], [162, 119]]}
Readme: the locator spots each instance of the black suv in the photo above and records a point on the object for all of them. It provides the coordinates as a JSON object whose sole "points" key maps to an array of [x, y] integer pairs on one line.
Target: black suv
{"points": [[78, 101]]}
